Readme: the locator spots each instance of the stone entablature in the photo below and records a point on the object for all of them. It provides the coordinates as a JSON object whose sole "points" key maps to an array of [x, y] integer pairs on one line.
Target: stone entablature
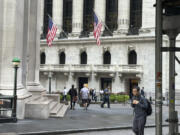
{"points": [[104, 40]]}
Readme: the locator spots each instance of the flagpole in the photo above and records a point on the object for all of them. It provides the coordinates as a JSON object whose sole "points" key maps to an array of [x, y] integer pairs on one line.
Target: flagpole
{"points": [[103, 22], [56, 23]]}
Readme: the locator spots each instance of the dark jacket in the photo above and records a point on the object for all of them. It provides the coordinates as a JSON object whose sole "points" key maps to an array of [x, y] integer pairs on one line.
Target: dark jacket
{"points": [[142, 92], [106, 94], [72, 92], [140, 108]]}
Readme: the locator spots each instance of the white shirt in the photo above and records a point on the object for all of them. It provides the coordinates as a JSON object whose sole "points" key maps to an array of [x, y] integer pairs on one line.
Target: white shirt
{"points": [[101, 91], [65, 92], [85, 93]]}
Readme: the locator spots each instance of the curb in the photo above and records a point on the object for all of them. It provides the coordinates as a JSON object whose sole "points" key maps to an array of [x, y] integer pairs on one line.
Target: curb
{"points": [[70, 131]]}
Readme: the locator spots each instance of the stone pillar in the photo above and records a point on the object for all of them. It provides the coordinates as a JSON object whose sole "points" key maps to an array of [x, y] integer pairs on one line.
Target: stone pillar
{"points": [[70, 80], [123, 16], [92, 82], [100, 10], [33, 84], [14, 25], [42, 16], [77, 17], [148, 14], [58, 15]]}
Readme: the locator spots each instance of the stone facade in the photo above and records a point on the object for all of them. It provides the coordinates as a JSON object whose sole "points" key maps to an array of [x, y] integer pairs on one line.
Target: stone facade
{"points": [[119, 72]]}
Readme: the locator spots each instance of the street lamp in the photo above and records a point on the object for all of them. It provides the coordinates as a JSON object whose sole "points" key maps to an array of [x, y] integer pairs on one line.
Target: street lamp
{"points": [[50, 78], [16, 63]]}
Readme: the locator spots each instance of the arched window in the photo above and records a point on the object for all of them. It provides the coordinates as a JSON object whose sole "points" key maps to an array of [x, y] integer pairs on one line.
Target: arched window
{"points": [[111, 16], [43, 58], [62, 58], [67, 16], [83, 58], [47, 11], [135, 16], [107, 58], [132, 57], [88, 18]]}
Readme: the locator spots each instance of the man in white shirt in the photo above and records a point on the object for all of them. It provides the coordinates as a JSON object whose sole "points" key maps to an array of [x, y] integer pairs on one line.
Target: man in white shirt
{"points": [[65, 91], [101, 95], [85, 96]]}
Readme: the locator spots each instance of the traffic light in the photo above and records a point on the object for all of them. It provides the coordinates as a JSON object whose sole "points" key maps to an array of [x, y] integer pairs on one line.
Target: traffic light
{"points": [[171, 7]]}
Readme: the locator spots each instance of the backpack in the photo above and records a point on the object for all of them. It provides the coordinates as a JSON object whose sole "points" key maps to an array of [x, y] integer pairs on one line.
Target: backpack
{"points": [[149, 109]]}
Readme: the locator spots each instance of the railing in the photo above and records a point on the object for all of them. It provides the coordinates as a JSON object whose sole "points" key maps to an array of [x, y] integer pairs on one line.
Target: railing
{"points": [[89, 68], [55, 67], [105, 68], [130, 68], [81, 68]]}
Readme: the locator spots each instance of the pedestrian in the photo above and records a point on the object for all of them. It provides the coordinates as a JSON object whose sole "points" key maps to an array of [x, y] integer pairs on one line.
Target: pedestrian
{"points": [[73, 95], [85, 96], [65, 92], [91, 93], [101, 94], [94, 95], [140, 105], [142, 92], [106, 97]]}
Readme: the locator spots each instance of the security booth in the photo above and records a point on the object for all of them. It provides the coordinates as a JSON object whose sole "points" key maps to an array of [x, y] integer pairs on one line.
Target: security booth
{"points": [[6, 109]]}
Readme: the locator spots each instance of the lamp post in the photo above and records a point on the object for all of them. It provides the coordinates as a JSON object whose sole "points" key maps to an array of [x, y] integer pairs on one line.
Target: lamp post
{"points": [[50, 78], [16, 63]]}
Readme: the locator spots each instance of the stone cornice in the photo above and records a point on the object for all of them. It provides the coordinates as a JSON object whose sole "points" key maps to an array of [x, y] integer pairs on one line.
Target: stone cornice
{"points": [[104, 40]]}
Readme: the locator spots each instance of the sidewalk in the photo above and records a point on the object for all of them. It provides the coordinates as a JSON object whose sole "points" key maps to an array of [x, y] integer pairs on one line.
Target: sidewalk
{"points": [[147, 131], [119, 116]]}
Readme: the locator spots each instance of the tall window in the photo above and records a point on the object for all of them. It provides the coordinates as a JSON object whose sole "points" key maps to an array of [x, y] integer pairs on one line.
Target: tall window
{"points": [[111, 16], [62, 58], [67, 16], [88, 18], [47, 11], [107, 58], [83, 58], [135, 16], [132, 57], [43, 58]]}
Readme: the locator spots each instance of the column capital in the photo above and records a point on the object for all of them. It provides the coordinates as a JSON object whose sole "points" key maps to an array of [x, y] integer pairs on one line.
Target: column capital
{"points": [[123, 16]]}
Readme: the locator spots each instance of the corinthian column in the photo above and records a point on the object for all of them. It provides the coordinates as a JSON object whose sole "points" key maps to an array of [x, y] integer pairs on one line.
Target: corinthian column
{"points": [[58, 15], [77, 17], [42, 17], [33, 84], [123, 16], [100, 10]]}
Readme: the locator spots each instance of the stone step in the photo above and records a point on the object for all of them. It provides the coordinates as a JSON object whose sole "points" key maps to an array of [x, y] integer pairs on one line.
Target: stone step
{"points": [[53, 105], [37, 109], [56, 109], [38, 92], [34, 98], [61, 112]]}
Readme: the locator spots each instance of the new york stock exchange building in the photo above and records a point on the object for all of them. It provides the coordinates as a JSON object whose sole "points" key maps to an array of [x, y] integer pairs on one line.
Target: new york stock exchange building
{"points": [[126, 56]]}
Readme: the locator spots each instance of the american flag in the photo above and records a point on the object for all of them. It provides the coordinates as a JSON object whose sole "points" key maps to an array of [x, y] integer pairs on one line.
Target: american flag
{"points": [[52, 28], [97, 29]]}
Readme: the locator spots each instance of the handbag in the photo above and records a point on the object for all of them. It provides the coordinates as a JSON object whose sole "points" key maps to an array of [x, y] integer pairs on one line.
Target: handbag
{"points": [[75, 98]]}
